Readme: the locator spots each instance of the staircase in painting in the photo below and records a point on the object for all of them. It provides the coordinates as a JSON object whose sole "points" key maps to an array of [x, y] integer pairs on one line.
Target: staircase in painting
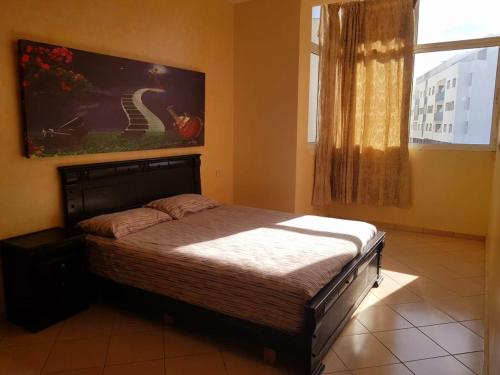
{"points": [[140, 119]]}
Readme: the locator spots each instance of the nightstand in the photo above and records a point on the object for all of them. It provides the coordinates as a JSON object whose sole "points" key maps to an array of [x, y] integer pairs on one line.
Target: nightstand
{"points": [[44, 277]]}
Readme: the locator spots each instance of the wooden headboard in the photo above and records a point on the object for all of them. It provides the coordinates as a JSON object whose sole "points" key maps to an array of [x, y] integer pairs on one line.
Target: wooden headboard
{"points": [[94, 189]]}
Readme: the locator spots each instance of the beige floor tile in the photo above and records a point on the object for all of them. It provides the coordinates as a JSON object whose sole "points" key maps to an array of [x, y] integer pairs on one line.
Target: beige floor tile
{"points": [[464, 286], [381, 318], [422, 314], [207, 364], [467, 268], [439, 366], [128, 322], [333, 363], [364, 350], [370, 300], [179, 343], [86, 371], [23, 360], [429, 289], [390, 292], [397, 369], [476, 326], [474, 361], [95, 322], [461, 308], [410, 344], [434, 271], [142, 346], [15, 335], [156, 367], [77, 354], [354, 327], [454, 338], [238, 363]]}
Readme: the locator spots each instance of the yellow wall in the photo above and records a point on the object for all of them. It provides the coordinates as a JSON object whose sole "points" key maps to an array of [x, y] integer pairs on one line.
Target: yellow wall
{"points": [[451, 189], [194, 34], [493, 278], [266, 71]]}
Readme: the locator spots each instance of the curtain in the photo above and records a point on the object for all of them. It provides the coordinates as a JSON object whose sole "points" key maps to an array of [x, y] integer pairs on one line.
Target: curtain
{"points": [[365, 73]]}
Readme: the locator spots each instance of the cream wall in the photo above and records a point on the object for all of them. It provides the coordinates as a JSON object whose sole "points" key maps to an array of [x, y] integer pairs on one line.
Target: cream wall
{"points": [[265, 102], [194, 34], [493, 278]]}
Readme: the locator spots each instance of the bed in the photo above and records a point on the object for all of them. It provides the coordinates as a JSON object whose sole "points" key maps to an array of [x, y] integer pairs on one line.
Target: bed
{"points": [[289, 282]]}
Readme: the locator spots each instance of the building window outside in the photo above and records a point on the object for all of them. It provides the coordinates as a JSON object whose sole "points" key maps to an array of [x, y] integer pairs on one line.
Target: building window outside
{"points": [[430, 109], [450, 55]]}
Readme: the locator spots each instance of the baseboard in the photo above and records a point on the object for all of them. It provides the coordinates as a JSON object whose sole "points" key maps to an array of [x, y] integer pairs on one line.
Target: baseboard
{"points": [[435, 232]]}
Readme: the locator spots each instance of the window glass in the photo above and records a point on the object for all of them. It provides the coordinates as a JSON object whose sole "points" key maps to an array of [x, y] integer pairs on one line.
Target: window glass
{"points": [[469, 102], [313, 98], [448, 20]]}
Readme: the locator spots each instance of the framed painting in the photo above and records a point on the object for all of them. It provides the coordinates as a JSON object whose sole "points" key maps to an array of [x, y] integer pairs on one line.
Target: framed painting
{"points": [[77, 102]]}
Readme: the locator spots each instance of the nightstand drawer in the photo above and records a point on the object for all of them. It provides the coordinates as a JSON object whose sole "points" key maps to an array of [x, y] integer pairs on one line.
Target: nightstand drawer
{"points": [[61, 275]]}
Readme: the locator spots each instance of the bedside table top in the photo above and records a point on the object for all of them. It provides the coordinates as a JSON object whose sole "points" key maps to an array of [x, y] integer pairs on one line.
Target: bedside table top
{"points": [[44, 238]]}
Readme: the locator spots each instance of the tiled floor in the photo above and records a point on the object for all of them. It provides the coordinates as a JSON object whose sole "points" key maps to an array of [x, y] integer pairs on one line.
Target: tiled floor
{"points": [[426, 318]]}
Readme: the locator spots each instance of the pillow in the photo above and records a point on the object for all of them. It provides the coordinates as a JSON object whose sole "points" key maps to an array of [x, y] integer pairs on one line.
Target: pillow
{"points": [[179, 206], [120, 224]]}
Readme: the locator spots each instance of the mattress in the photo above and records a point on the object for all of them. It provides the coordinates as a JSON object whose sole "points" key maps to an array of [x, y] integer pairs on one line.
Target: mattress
{"points": [[258, 265]]}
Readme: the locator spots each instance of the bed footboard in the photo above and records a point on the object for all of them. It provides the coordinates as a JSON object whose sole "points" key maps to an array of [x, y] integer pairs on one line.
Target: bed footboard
{"points": [[332, 308]]}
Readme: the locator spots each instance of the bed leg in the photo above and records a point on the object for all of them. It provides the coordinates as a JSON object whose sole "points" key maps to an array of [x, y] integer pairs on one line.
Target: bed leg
{"points": [[270, 356], [379, 280], [168, 319]]}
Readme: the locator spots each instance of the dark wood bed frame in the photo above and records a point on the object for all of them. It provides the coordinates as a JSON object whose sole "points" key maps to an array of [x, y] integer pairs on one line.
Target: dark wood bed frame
{"points": [[94, 189]]}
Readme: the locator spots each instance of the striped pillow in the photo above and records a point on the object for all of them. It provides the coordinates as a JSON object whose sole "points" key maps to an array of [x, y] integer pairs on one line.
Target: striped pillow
{"points": [[120, 224], [179, 206]]}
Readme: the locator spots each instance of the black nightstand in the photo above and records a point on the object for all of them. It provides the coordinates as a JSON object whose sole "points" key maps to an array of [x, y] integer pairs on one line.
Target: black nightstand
{"points": [[44, 277]]}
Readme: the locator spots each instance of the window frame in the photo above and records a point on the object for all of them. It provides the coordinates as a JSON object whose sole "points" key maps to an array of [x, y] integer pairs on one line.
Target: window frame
{"points": [[460, 45]]}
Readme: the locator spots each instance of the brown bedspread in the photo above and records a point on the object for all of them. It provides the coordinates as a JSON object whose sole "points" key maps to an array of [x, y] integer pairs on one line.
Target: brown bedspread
{"points": [[254, 264]]}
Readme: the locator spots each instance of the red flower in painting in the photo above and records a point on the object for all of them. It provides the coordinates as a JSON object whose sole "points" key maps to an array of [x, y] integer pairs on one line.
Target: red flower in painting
{"points": [[61, 54], [65, 87], [25, 58], [48, 69]]}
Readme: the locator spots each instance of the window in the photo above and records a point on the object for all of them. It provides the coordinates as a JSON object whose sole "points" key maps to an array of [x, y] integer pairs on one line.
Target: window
{"points": [[430, 109], [313, 77], [459, 51]]}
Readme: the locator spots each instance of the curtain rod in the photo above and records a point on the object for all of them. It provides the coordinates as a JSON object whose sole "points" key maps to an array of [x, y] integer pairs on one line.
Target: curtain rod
{"points": [[321, 2]]}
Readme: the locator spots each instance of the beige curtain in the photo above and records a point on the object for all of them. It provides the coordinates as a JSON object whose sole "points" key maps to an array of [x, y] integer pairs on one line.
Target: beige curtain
{"points": [[365, 73]]}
